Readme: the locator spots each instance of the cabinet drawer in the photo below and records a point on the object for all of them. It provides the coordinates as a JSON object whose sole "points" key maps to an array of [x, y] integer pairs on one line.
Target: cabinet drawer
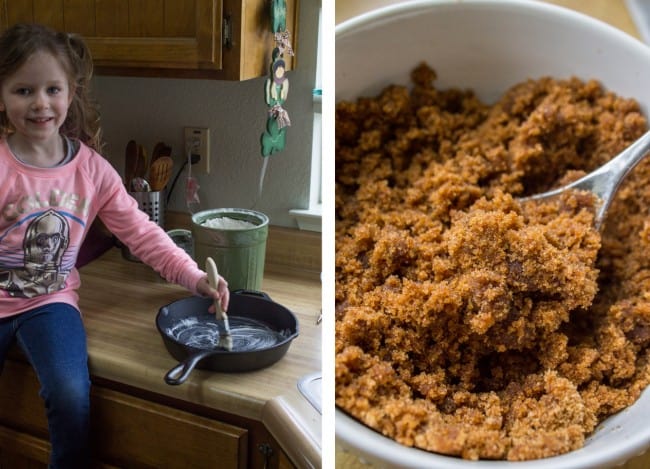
{"points": [[133, 432]]}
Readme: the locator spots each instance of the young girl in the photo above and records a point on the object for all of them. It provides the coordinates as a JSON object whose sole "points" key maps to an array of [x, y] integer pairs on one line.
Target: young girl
{"points": [[54, 185]]}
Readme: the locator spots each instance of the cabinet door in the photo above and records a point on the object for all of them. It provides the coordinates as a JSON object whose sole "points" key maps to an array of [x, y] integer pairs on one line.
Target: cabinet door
{"points": [[131, 432], [160, 34], [249, 50]]}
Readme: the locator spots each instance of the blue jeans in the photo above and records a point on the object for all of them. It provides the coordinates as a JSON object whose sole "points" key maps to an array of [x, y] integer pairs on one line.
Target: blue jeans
{"points": [[54, 340]]}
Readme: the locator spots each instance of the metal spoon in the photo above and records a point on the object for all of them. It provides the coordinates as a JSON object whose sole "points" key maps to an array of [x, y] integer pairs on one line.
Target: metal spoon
{"points": [[604, 181], [139, 184]]}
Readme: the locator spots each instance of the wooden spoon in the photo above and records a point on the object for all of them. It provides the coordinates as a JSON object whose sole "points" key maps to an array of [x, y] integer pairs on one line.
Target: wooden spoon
{"points": [[158, 150], [141, 166], [160, 173], [130, 162]]}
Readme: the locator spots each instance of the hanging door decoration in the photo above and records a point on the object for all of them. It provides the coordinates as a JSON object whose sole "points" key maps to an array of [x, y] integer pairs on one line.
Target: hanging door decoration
{"points": [[277, 85]]}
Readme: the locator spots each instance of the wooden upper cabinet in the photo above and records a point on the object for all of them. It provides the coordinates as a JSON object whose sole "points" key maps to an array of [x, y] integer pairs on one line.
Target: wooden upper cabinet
{"points": [[221, 39]]}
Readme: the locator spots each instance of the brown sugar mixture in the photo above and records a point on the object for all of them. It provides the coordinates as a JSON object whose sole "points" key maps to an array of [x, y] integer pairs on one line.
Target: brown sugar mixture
{"points": [[468, 323]]}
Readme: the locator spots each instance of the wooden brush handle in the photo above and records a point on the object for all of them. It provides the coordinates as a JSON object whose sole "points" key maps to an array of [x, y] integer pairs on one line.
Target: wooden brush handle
{"points": [[213, 279]]}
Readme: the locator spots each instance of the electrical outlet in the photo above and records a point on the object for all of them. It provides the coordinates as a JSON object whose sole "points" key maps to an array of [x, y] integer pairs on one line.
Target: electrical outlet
{"points": [[197, 141]]}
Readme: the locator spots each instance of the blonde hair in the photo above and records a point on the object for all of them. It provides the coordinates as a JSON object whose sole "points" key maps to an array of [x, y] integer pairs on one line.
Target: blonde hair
{"points": [[20, 41]]}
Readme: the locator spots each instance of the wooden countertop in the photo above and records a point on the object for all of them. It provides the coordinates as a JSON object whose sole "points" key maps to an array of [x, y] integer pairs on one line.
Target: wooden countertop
{"points": [[119, 300], [613, 12]]}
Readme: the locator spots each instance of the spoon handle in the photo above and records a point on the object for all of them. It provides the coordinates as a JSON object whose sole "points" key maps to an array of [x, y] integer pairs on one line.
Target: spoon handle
{"points": [[605, 181], [608, 177]]}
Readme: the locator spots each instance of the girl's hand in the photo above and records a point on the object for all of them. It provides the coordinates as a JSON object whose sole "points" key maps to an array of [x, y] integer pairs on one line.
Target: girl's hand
{"points": [[221, 294]]}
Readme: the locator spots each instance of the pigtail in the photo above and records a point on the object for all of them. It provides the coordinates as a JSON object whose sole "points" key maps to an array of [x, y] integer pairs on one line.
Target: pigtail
{"points": [[11, 58], [82, 121]]}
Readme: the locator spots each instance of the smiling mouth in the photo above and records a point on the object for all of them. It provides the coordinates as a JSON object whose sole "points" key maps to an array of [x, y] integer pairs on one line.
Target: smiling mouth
{"points": [[40, 120]]}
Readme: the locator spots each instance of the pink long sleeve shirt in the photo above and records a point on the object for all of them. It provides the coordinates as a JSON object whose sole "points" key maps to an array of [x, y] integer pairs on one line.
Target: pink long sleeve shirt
{"points": [[45, 215]]}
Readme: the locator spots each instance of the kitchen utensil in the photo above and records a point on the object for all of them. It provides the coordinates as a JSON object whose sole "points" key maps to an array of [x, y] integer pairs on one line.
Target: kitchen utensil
{"points": [[140, 185], [157, 152], [604, 181], [130, 161], [160, 172], [261, 329], [160, 149], [225, 339], [141, 162]]}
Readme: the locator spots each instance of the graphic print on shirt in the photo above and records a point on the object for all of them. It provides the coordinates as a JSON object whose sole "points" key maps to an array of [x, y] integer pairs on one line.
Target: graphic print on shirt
{"points": [[41, 267]]}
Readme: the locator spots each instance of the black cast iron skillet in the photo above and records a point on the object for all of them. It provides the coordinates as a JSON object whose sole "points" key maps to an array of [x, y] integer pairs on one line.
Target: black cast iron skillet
{"points": [[262, 331]]}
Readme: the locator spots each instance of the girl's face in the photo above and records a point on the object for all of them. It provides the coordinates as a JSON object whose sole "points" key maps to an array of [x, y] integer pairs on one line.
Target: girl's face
{"points": [[36, 98]]}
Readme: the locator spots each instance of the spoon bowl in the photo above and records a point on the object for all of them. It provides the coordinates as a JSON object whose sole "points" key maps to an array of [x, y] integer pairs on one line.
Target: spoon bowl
{"points": [[139, 184]]}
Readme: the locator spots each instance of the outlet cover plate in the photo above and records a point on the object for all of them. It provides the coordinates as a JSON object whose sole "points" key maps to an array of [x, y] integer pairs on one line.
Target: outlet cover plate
{"points": [[197, 139]]}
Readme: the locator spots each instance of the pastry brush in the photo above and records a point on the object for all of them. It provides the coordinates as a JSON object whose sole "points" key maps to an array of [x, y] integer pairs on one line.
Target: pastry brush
{"points": [[225, 338]]}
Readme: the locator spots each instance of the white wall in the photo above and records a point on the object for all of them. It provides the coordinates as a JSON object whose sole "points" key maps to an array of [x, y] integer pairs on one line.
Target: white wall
{"points": [[154, 109]]}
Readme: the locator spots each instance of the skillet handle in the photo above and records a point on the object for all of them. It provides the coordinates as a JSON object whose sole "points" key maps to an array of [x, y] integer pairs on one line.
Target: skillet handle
{"points": [[256, 293], [180, 372]]}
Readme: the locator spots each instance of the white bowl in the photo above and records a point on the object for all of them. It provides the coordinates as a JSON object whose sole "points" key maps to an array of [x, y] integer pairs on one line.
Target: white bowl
{"points": [[617, 439], [489, 46]]}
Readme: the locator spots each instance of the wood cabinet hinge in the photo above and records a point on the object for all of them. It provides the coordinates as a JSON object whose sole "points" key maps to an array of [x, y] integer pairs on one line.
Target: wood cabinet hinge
{"points": [[227, 31], [267, 451]]}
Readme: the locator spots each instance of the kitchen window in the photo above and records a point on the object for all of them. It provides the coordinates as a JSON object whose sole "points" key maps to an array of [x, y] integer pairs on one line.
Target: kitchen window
{"points": [[310, 218]]}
